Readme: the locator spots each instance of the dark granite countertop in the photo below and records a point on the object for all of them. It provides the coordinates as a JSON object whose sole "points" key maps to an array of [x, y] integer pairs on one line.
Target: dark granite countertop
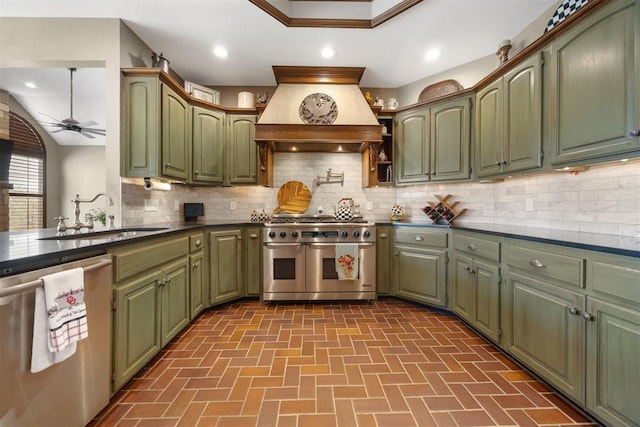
{"points": [[22, 251], [621, 245]]}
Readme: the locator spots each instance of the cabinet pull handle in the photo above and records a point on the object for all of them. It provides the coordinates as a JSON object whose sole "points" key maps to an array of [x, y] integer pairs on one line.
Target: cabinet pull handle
{"points": [[397, 253], [196, 265], [472, 247], [383, 235], [168, 164], [574, 310], [196, 172], [635, 132], [419, 238], [498, 162], [466, 268], [253, 236], [198, 242], [537, 263], [239, 237], [588, 316]]}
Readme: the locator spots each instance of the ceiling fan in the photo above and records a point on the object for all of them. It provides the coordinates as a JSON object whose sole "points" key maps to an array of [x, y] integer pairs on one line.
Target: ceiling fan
{"points": [[72, 125]]}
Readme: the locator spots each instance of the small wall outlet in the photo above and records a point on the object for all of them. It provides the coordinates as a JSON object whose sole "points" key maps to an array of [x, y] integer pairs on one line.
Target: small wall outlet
{"points": [[176, 205], [232, 205], [369, 206], [528, 205]]}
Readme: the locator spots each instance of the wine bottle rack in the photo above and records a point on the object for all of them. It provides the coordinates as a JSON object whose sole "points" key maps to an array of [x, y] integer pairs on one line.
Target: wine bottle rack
{"points": [[443, 211]]}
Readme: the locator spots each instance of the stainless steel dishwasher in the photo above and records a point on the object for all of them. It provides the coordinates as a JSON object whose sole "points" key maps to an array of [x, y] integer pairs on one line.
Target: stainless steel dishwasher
{"points": [[69, 393]]}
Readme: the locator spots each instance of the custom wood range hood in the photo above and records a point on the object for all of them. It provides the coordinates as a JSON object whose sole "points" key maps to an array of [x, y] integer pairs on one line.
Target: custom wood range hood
{"points": [[317, 109]]}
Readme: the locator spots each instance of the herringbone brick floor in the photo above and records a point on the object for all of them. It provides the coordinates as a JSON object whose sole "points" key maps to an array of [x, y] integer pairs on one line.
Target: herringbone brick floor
{"points": [[387, 363]]}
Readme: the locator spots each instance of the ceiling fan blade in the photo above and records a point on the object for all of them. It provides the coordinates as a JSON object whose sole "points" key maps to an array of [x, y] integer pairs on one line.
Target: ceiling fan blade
{"points": [[101, 132], [56, 131], [86, 124], [86, 134]]}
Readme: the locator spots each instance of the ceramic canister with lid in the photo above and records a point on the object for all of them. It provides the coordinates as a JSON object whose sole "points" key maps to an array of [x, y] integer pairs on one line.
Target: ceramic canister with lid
{"points": [[246, 100]]}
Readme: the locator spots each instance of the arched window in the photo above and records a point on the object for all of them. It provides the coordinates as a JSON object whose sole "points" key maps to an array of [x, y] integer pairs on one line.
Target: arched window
{"points": [[27, 174]]}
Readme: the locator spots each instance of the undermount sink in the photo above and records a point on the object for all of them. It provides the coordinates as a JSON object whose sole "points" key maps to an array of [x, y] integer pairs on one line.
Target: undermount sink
{"points": [[108, 234]]}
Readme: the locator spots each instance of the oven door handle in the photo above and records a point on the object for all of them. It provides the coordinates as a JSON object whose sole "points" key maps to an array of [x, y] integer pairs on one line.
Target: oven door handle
{"points": [[333, 244], [281, 245]]}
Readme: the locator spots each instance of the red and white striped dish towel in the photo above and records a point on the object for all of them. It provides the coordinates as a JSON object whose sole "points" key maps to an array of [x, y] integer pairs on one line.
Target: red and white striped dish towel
{"points": [[66, 310]]}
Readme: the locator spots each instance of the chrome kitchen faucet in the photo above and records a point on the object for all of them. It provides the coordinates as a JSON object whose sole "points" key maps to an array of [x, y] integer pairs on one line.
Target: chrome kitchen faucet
{"points": [[77, 225]]}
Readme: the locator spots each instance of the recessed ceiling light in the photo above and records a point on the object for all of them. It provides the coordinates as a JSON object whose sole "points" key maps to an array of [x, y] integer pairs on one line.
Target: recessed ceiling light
{"points": [[328, 52], [30, 85], [432, 54], [220, 52]]}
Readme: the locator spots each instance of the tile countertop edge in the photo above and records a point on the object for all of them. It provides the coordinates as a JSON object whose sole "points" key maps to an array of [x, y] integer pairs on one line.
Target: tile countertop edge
{"points": [[607, 243]]}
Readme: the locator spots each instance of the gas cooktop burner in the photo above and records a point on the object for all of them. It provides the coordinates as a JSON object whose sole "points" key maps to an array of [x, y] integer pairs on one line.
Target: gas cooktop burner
{"points": [[312, 219]]}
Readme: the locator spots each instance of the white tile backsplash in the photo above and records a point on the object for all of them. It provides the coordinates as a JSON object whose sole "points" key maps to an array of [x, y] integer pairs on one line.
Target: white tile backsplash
{"points": [[603, 199]]}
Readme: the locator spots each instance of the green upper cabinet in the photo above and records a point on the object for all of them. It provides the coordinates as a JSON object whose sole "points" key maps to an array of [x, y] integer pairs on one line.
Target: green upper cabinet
{"points": [[594, 87], [412, 155], [433, 144], [208, 146], [242, 149], [450, 140], [176, 134], [156, 139], [509, 121], [140, 127]]}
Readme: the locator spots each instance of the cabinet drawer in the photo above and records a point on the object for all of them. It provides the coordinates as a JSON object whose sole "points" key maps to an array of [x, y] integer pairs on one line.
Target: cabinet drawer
{"points": [[421, 237], [196, 242], [617, 277], [477, 246], [542, 262], [137, 258]]}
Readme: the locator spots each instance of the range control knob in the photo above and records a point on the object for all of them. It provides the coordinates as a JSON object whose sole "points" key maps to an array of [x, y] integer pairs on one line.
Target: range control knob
{"points": [[345, 234], [272, 234], [294, 234], [366, 233], [356, 234], [283, 234]]}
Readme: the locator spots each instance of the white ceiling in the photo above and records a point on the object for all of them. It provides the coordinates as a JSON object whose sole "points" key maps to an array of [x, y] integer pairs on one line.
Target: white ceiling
{"points": [[186, 31]]}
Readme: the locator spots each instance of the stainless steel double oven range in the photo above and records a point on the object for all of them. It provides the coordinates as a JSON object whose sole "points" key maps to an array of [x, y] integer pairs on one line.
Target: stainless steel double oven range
{"points": [[299, 258]]}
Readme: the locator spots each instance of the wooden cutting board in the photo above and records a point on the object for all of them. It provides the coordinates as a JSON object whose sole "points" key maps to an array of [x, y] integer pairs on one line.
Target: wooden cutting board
{"points": [[293, 197]]}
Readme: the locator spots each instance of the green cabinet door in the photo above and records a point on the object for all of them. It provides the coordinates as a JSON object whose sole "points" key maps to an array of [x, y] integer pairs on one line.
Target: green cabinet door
{"points": [[489, 133], [509, 121], [140, 127], [594, 86], [450, 141], [523, 116], [421, 275], [208, 146], [463, 287], [486, 303], [253, 257], [613, 363], [384, 247], [476, 294], [136, 335], [225, 265], [545, 331], [176, 306], [197, 295], [176, 134], [242, 149], [412, 147]]}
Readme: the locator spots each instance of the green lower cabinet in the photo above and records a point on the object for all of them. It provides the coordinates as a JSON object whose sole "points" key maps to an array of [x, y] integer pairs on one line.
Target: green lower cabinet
{"points": [[197, 295], [543, 329], [136, 331], [476, 294], [225, 266], [384, 248], [421, 275], [613, 362], [253, 258], [174, 293]]}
